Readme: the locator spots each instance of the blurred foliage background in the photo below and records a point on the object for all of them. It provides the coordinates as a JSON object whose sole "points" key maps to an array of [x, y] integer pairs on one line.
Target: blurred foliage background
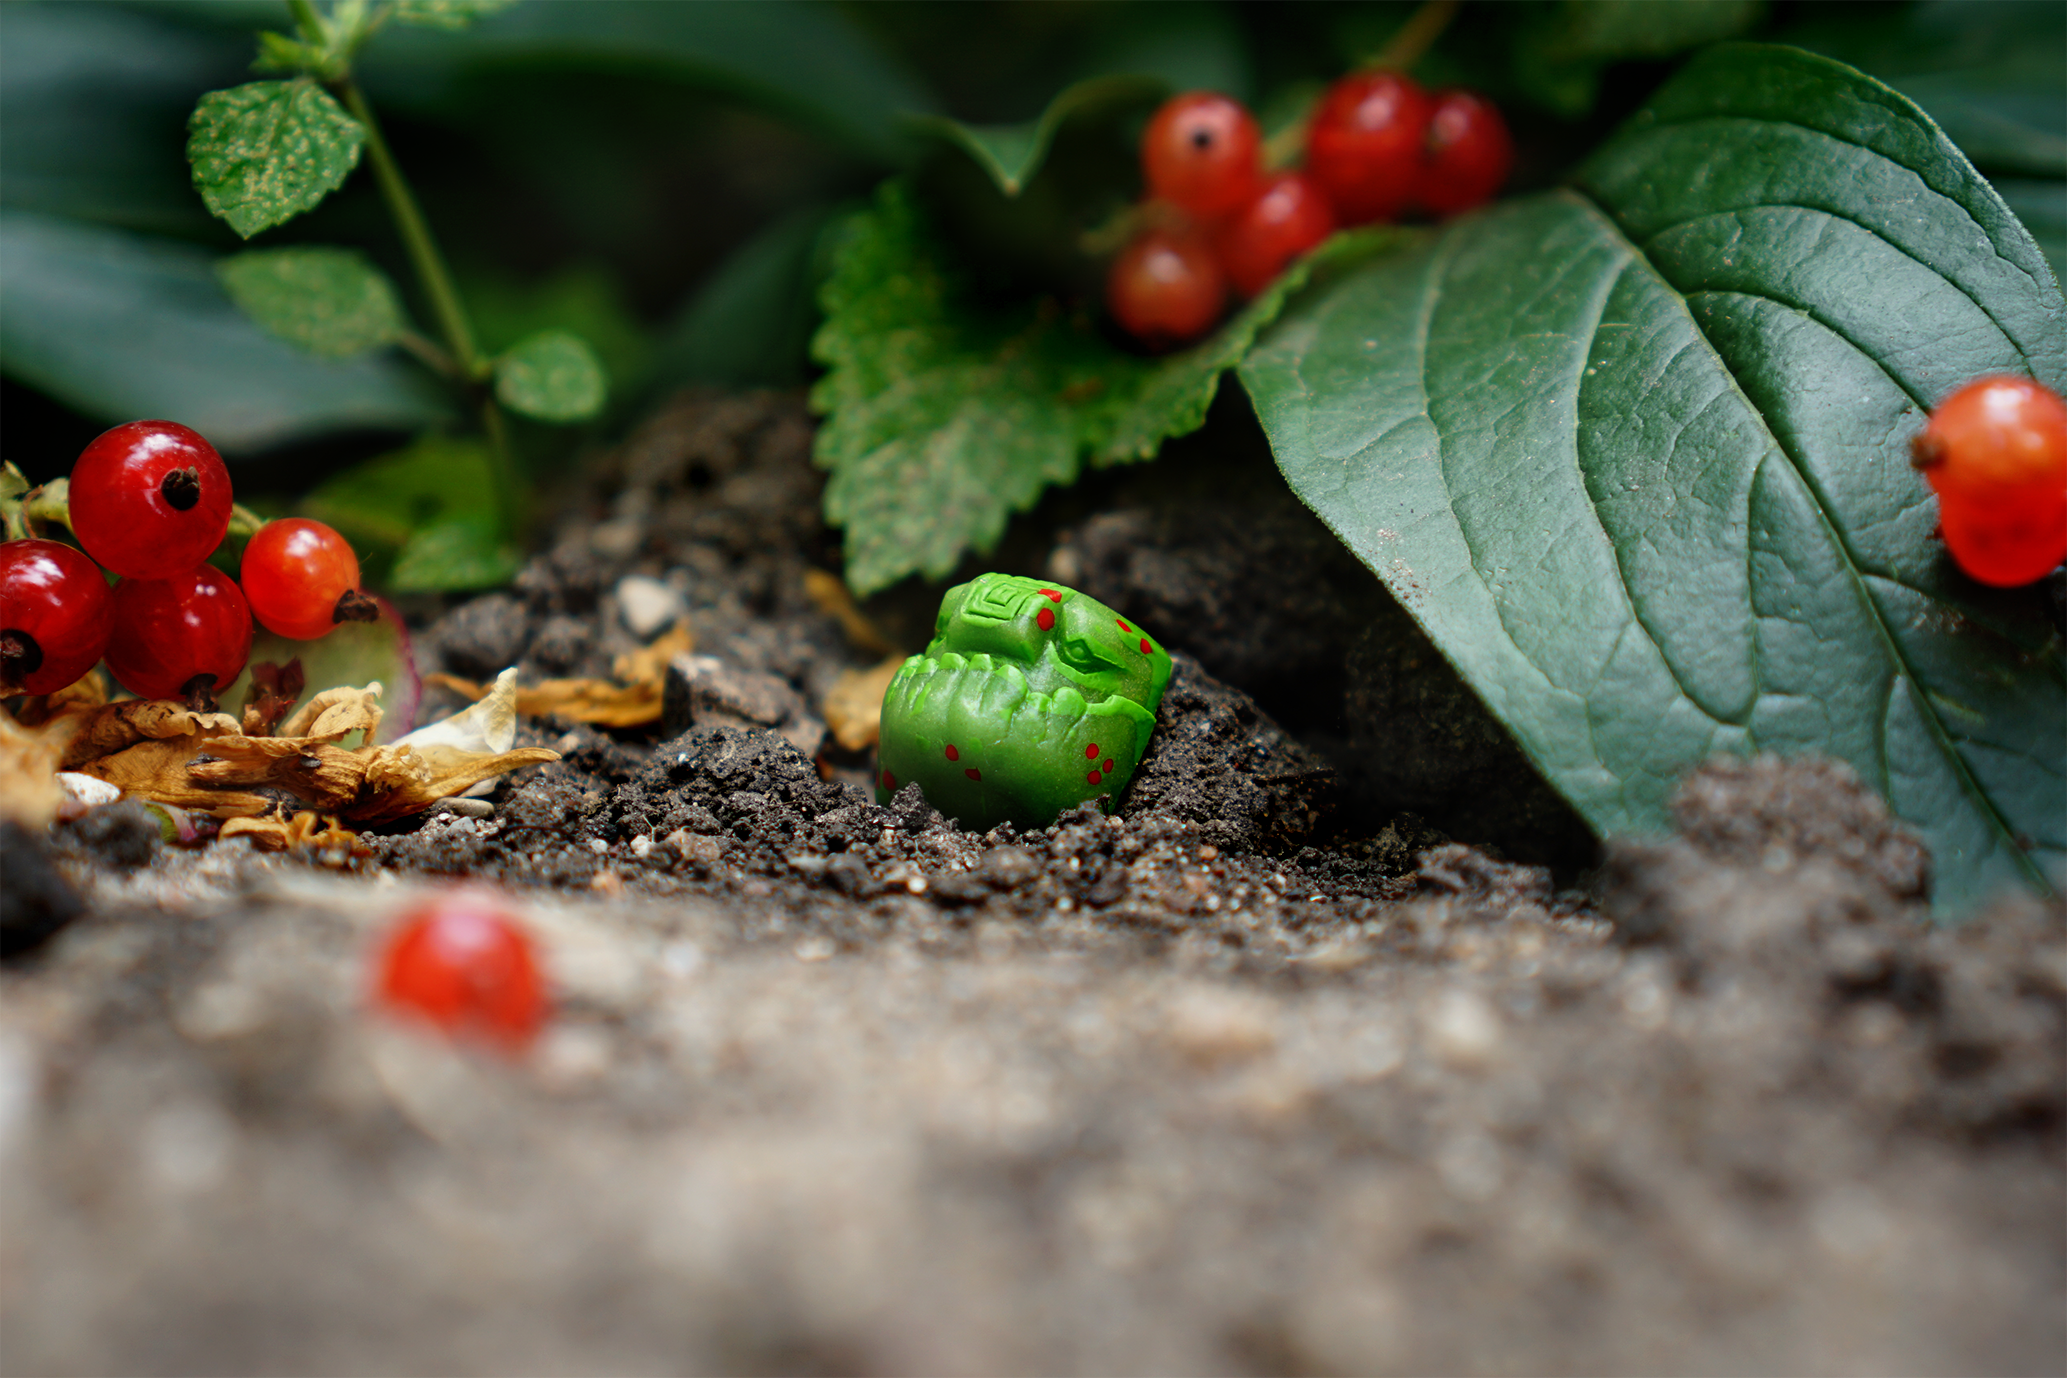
{"points": [[658, 176]]}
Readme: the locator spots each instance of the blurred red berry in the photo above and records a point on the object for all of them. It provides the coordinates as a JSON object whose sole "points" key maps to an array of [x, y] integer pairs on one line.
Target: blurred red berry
{"points": [[150, 499], [1291, 216], [1200, 153], [1996, 453], [461, 963], [1468, 154], [1166, 287], [1364, 146]]}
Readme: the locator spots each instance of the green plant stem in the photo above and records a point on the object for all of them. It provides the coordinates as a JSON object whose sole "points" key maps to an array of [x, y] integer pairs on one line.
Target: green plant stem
{"points": [[1418, 35], [437, 284]]}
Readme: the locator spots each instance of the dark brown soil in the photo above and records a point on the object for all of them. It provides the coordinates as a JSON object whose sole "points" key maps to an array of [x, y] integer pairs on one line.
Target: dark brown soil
{"points": [[1256, 1075]]}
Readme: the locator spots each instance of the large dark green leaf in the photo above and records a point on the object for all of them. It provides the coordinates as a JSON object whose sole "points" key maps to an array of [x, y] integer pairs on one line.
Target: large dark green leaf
{"points": [[93, 112], [806, 60], [1635, 456], [750, 322], [119, 326]]}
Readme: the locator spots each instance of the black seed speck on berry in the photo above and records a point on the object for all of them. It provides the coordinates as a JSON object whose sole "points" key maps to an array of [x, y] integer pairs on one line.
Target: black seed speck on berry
{"points": [[20, 656], [182, 488]]}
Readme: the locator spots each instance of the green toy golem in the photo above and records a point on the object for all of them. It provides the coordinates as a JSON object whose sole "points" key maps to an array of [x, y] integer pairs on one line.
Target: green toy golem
{"points": [[1030, 700]]}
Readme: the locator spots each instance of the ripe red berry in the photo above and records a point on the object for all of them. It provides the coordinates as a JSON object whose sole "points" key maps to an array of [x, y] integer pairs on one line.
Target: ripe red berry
{"points": [[1365, 144], [149, 499], [1166, 287], [461, 963], [1200, 153], [1289, 218], [1996, 452], [302, 579], [54, 616], [187, 636], [1468, 154]]}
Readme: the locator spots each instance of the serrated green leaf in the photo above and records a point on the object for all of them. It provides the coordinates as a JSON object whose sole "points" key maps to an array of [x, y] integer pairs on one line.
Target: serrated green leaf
{"points": [[1635, 455], [119, 326], [331, 302], [552, 376], [265, 152], [1012, 154], [943, 416], [446, 14]]}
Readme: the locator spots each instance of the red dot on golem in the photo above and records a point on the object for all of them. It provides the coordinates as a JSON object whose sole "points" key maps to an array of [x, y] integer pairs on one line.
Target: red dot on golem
{"points": [[1123, 624], [953, 755], [1094, 778], [1144, 645], [1091, 752], [889, 781], [1046, 620], [973, 773], [1051, 594]]}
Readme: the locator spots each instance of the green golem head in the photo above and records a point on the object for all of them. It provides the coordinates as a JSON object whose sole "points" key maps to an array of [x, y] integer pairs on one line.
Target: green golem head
{"points": [[1030, 700]]}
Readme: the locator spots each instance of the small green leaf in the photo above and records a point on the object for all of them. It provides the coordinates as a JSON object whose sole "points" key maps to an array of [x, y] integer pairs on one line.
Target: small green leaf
{"points": [[1012, 154], [552, 376], [265, 152], [446, 14], [382, 503], [1635, 455], [332, 302], [945, 416], [466, 552], [279, 53]]}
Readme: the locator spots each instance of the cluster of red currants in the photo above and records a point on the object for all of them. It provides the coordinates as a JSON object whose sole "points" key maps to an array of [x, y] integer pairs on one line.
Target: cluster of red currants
{"points": [[1377, 146], [1995, 452], [150, 502]]}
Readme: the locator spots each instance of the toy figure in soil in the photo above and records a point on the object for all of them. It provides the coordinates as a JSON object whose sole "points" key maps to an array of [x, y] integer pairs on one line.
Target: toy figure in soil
{"points": [[1031, 699]]}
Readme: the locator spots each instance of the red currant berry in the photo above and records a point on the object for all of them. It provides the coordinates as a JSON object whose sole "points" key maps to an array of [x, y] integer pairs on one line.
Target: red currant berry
{"points": [[183, 637], [54, 616], [1364, 145], [460, 962], [1996, 452], [1200, 153], [150, 499], [302, 579], [1289, 218], [1166, 287], [1468, 155]]}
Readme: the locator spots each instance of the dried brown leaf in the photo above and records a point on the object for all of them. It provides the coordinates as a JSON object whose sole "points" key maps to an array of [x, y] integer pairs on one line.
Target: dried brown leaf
{"points": [[306, 830], [401, 780], [829, 592], [29, 789], [854, 708]]}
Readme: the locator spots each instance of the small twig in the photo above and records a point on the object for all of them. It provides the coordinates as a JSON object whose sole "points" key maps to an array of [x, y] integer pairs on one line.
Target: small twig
{"points": [[1417, 36]]}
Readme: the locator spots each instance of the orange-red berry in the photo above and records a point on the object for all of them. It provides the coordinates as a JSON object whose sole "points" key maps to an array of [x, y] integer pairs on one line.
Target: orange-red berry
{"points": [[302, 579], [1291, 216], [1996, 453], [462, 964], [1468, 153], [1200, 152], [1365, 144], [1166, 287]]}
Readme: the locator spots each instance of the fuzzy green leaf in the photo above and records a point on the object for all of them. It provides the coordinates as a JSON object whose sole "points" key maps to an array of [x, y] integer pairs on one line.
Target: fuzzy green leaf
{"points": [[265, 152], [551, 376], [332, 302], [446, 14], [1636, 456], [943, 417]]}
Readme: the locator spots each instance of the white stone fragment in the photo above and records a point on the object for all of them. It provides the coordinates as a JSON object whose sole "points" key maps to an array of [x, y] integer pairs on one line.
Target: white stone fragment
{"points": [[647, 606]]}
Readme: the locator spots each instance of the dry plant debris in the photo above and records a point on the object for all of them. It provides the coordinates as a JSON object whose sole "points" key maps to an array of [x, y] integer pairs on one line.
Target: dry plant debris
{"points": [[633, 699]]}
